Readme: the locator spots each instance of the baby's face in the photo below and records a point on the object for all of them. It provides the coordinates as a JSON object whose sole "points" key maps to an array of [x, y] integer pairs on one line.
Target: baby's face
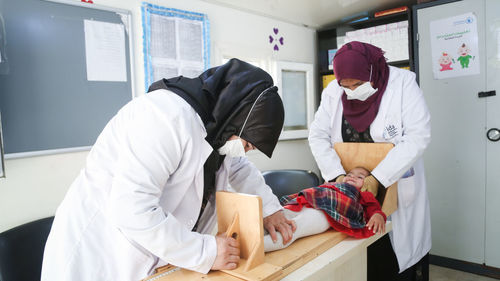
{"points": [[356, 177]]}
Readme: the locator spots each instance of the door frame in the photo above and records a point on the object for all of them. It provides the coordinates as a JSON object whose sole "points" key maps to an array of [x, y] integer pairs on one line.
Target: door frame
{"points": [[480, 269]]}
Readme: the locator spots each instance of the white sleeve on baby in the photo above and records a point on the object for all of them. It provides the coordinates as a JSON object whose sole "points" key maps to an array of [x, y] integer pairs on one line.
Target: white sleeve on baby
{"points": [[309, 221]]}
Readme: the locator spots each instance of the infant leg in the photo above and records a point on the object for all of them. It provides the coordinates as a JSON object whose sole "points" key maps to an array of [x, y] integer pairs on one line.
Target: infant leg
{"points": [[309, 221]]}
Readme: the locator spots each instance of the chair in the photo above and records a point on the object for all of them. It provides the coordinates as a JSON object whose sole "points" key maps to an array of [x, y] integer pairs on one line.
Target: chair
{"points": [[285, 182], [21, 250]]}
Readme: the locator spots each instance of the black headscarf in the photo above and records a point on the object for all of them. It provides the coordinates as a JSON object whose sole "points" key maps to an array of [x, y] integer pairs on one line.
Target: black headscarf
{"points": [[223, 97]]}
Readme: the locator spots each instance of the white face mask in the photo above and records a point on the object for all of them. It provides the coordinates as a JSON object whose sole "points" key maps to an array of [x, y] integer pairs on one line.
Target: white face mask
{"points": [[233, 148], [362, 92]]}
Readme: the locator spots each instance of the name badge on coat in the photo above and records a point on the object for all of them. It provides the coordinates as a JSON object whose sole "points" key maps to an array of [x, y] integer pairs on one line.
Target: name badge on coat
{"points": [[390, 131]]}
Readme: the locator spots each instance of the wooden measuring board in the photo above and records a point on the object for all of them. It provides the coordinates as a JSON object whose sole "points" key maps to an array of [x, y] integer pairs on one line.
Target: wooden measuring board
{"points": [[286, 260], [368, 155], [240, 216]]}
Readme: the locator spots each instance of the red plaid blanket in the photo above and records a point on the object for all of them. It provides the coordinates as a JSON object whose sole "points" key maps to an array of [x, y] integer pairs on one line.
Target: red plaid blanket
{"points": [[340, 201]]}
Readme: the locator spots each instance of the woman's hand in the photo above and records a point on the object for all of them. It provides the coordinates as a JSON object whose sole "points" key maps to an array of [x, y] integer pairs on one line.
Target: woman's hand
{"points": [[228, 253], [376, 223], [279, 222]]}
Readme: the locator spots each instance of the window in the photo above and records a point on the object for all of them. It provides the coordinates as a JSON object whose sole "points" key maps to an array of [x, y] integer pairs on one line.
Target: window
{"points": [[295, 86], [296, 90], [255, 62]]}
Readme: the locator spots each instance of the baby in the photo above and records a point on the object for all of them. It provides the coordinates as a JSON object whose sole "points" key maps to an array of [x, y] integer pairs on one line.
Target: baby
{"points": [[342, 206]]}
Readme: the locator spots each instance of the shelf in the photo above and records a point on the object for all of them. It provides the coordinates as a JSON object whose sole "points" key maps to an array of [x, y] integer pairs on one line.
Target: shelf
{"points": [[325, 72], [399, 63], [380, 20]]}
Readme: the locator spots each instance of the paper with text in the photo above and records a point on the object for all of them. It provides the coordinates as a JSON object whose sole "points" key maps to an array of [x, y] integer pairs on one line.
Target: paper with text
{"points": [[105, 51]]}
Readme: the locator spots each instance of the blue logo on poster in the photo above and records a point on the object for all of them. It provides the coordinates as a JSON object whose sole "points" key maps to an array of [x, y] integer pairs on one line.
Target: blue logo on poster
{"points": [[467, 20]]}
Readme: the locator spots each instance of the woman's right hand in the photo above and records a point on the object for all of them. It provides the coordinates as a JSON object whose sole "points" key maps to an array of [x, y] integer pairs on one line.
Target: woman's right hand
{"points": [[228, 253]]}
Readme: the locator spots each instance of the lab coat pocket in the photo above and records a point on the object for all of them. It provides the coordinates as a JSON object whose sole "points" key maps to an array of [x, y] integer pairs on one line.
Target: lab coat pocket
{"points": [[133, 259], [406, 191]]}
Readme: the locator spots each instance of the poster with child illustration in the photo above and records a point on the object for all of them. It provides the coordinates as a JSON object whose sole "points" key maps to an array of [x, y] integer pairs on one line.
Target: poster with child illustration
{"points": [[454, 45]]}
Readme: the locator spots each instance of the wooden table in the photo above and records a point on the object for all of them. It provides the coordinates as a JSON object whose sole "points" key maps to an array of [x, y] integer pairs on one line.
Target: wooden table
{"points": [[326, 256], [345, 261]]}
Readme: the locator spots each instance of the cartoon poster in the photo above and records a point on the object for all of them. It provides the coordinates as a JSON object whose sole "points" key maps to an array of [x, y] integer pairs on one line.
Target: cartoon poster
{"points": [[454, 45]]}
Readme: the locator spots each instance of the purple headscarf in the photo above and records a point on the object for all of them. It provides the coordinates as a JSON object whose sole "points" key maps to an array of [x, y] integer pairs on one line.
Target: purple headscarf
{"points": [[355, 60]]}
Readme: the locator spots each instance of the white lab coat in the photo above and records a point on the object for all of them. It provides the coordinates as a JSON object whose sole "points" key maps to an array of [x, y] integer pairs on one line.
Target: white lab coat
{"points": [[133, 206], [402, 119]]}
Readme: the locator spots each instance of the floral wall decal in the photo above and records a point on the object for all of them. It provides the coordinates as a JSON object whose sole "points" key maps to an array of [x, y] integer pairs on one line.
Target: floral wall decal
{"points": [[274, 40]]}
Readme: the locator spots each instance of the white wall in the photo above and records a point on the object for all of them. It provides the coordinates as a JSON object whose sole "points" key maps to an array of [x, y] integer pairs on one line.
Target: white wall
{"points": [[35, 186]]}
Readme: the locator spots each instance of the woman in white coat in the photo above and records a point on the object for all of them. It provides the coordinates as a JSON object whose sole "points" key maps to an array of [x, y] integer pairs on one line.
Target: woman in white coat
{"points": [[372, 102], [146, 195]]}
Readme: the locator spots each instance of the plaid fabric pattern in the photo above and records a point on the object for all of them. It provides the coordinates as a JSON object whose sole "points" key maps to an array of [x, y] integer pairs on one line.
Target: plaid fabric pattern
{"points": [[340, 201]]}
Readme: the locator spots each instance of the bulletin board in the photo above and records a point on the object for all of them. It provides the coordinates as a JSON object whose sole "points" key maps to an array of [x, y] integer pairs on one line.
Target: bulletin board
{"points": [[47, 100]]}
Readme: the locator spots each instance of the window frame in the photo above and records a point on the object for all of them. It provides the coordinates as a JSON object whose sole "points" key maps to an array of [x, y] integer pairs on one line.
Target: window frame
{"points": [[308, 69]]}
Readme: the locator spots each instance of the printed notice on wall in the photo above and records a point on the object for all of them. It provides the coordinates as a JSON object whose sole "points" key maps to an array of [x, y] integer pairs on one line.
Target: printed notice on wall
{"points": [[176, 47], [455, 48], [105, 51]]}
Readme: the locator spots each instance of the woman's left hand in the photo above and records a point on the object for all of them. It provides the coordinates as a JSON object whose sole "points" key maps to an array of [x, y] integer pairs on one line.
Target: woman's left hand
{"points": [[278, 222], [376, 223]]}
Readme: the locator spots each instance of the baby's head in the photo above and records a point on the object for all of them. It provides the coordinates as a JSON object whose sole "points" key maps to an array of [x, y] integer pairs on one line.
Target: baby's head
{"points": [[356, 177]]}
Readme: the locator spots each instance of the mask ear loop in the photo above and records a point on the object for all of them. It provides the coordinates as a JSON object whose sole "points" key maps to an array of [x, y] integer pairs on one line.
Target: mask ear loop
{"points": [[253, 105], [371, 68]]}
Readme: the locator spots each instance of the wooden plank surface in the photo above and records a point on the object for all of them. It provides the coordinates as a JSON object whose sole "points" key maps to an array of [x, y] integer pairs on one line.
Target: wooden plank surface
{"points": [[303, 250], [264, 271], [287, 260]]}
